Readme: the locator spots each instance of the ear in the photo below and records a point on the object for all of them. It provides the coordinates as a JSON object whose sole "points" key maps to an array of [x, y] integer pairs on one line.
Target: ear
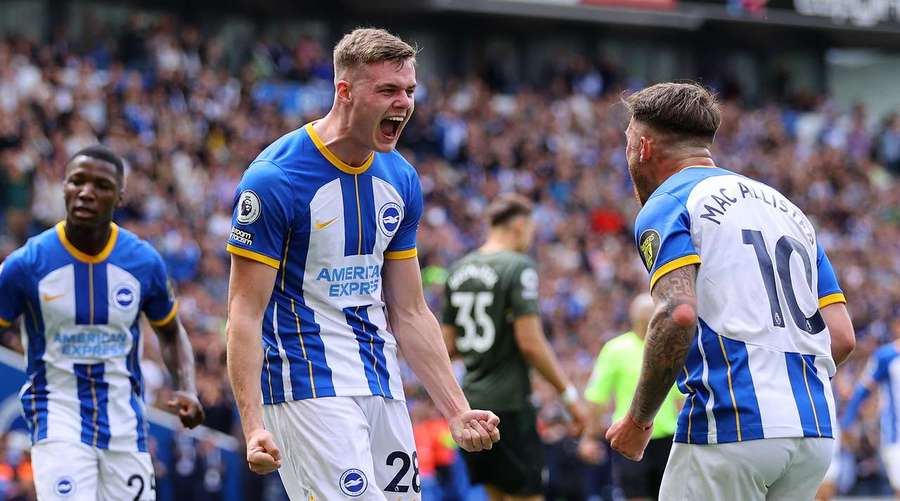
{"points": [[646, 149], [342, 91]]}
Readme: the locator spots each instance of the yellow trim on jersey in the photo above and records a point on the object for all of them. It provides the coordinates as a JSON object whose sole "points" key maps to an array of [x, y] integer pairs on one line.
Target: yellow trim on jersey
{"points": [[672, 266], [401, 254], [81, 256], [96, 407], [331, 157], [287, 246], [359, 219], [166, 319], [91, 292], [312, 380], [809, 394], [5, 323], [737, 415], [837, 297], [249, 254]]}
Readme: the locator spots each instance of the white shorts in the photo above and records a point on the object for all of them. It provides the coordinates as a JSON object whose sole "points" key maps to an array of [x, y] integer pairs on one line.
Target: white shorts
{"points": [[784, 469], [834, 470], [77, 472], [345, 448], [890, 455]]}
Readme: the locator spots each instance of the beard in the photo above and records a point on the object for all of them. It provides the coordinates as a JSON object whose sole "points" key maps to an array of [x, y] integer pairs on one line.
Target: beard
{"points": [[639, 184]]}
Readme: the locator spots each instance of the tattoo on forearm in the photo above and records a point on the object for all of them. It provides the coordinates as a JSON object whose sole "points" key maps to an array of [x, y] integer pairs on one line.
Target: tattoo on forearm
{"points": [[666, 344]]}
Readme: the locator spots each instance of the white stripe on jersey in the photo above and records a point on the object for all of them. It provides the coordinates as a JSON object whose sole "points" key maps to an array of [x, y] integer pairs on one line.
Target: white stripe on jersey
{"points": [[710, 402]]}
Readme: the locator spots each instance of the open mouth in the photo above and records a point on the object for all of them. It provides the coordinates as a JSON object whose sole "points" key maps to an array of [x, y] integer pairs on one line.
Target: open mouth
{"points": [[390, 127]]}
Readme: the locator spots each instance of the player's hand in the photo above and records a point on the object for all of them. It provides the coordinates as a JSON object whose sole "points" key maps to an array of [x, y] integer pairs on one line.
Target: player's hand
{"points": [[187, 407], [475, 430], [591, 451], [629, 438], [579, 414], [263, 455]]}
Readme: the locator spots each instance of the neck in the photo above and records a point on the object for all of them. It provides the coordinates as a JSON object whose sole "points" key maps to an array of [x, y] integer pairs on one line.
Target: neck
{"points": [[639, 332], [497, 242], [336, 134], [676, 165], [88, 239]]}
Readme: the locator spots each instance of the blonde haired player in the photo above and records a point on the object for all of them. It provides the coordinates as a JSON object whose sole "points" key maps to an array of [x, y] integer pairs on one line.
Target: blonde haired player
{"points": [[324, 263]]}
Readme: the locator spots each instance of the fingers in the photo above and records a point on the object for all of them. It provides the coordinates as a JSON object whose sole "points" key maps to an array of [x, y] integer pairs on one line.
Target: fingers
{"points": [[482, 437], [263, 456], [262, 463]]}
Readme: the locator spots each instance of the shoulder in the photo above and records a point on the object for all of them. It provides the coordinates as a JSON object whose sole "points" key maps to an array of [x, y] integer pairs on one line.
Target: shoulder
{"points": [[396, 170], [519, 261], [680, 185], [133, 252], [617, 344], [41, 254], [886, 353], [287, 149]]}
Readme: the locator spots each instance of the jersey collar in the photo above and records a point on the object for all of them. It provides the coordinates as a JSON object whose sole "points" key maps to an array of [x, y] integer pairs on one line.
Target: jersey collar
{"points": [[82, 256], [331, 157]]}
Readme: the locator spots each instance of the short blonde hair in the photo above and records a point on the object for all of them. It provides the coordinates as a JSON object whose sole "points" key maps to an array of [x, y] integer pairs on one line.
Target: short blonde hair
{"points": [[370, 45]]}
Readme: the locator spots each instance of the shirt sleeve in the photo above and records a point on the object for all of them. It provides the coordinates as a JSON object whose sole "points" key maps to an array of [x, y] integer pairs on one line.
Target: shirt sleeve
{"points": [[262, 214], [12, 300], [523, 291], [829, 289], [663, 236], [600, 385], [160, 305], [403, 243]]}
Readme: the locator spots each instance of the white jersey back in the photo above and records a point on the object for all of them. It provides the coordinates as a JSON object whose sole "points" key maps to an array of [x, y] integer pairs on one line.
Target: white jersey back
{"points": [[761, 363]]}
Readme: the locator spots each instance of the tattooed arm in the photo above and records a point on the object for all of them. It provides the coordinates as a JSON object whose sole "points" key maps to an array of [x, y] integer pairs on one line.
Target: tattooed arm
{"points": [[669, 337]]}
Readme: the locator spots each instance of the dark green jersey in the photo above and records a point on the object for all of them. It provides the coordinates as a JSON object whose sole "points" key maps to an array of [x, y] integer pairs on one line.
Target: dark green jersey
{"points": [[485, 294]]}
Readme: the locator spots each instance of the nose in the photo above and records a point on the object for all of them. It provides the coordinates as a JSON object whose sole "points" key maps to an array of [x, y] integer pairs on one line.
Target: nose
{"points": [[87, 191], [404, 101]]}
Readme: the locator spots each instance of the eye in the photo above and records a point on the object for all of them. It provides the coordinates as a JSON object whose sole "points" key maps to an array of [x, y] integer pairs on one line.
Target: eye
{"points": [[386, 92]]}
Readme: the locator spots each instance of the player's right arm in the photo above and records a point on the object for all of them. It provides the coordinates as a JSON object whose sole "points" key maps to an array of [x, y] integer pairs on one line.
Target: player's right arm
{"points": [[263, 214], [249, 289], [12, 276]]}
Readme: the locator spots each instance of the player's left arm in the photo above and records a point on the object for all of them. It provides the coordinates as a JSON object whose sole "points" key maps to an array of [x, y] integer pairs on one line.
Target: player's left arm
{"points": [[179, 359], [419, 336], [669, 338], [161, 309], [449, 333], [833, 306]]}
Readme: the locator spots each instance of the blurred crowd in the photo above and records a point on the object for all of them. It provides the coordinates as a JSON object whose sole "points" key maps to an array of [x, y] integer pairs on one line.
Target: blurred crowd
{"points": [[188, 120]]}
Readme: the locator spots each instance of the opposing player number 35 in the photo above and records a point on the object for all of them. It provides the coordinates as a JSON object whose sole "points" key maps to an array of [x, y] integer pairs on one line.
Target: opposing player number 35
{"points": [[784, 249], [479, 331]]}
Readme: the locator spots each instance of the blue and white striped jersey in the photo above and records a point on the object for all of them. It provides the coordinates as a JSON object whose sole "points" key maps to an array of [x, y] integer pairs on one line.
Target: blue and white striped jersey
{"points": [[883, 372], [80, 321], [327, 227], [761, 364]]}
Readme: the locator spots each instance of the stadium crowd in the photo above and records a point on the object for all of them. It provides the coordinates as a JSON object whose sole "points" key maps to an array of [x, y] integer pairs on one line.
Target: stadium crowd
{"points": [[188, 114]]}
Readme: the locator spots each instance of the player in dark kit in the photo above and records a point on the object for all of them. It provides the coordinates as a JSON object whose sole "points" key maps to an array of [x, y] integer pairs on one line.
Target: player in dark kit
{"points": [[491, 320]]}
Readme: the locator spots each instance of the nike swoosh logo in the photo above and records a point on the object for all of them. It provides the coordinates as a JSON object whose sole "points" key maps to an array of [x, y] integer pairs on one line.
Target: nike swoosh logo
{"points": [[47, 297], [322, 226]]}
